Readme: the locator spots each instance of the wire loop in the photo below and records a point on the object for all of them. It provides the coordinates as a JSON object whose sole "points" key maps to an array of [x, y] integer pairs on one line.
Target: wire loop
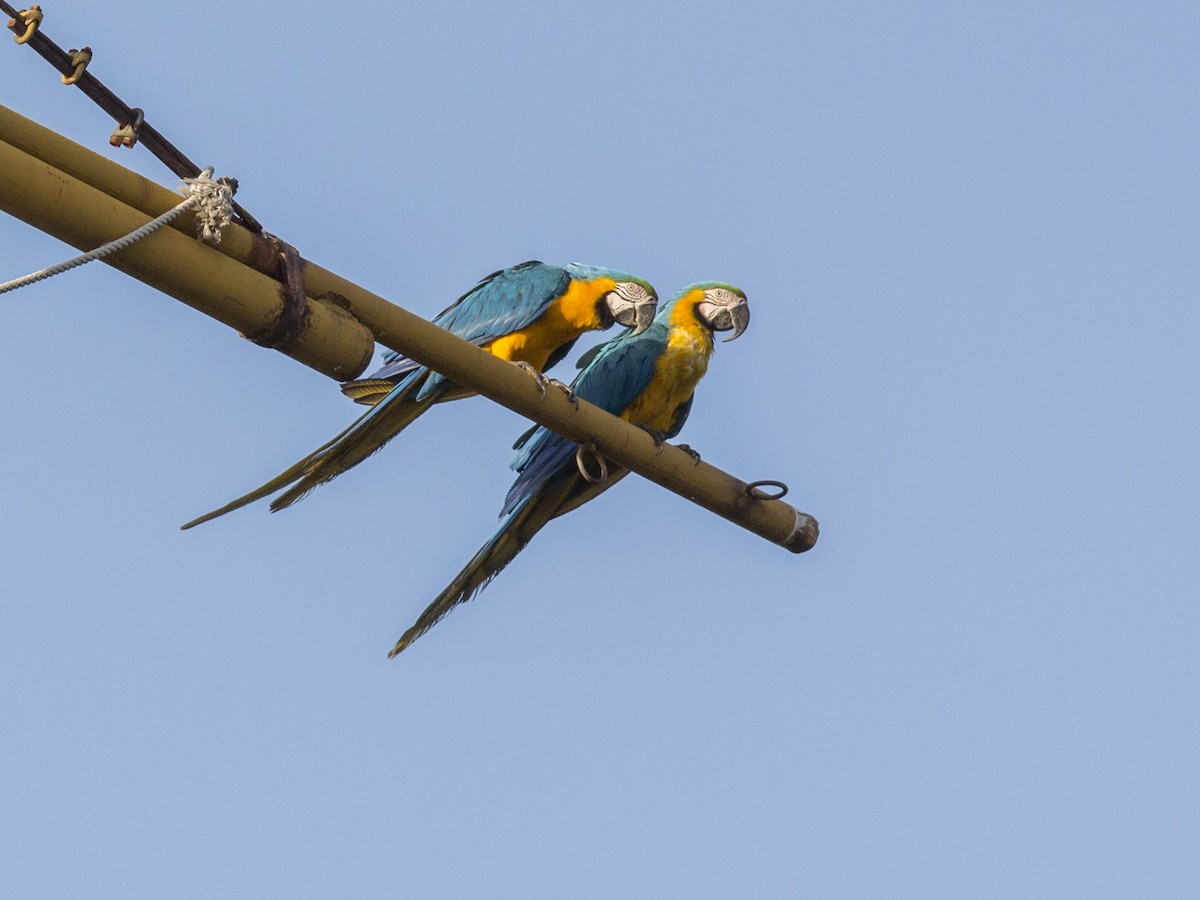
{"points": [[580, 457], [80, 60], [31, 18], [755, 489]]}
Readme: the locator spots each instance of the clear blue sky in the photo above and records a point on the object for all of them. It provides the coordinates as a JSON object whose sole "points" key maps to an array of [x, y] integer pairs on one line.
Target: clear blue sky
{"points": [[969, 237]]}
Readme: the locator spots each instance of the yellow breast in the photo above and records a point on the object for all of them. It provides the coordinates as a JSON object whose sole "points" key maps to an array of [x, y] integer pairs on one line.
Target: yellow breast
{"points": [[566, 319], [678, 370]]}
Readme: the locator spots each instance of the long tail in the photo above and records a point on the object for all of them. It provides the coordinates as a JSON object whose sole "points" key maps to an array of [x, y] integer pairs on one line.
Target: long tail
{"points": [[518, 530], [365, 436], [368, 391]]}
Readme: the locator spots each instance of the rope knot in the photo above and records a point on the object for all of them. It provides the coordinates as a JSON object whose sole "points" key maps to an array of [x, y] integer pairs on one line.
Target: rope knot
{"points": [[213, 200]]}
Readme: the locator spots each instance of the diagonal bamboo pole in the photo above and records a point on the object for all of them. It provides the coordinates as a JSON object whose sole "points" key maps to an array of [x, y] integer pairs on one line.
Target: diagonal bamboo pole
{"points": [[73, 203], [327, 337]]}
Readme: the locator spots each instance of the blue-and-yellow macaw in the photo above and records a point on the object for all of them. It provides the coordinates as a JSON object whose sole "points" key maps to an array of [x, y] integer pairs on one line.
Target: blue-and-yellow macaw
{"points": [[646, 378], [530, 314]]}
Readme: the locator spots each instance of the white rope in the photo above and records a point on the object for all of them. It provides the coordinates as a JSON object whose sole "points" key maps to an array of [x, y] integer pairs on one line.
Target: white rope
{"points": [[215, 211], [215, 199]]}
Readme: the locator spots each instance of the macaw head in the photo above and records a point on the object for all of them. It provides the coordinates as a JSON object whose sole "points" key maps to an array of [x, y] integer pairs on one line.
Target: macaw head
{"points": [[719, 306], [631, 302]]}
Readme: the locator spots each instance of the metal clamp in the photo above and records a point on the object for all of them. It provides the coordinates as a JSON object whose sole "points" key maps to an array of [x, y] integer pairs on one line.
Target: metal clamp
{"points": [[293, 316], [80, 60], [755, 490], [29, 18], [127, 133]]}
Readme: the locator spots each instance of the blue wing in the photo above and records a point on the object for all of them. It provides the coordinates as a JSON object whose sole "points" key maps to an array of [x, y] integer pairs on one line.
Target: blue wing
{"points": [[622, 369], [614, 378], [504, 302]]}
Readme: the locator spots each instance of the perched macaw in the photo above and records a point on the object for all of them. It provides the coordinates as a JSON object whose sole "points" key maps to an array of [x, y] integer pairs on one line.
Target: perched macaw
{"points": [[646, 378], [529, 314]]}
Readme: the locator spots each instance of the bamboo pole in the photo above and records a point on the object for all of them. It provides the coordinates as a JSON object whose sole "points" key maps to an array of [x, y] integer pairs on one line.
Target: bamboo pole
{"points": [[220, 283], [130, 188], [329, 339]]}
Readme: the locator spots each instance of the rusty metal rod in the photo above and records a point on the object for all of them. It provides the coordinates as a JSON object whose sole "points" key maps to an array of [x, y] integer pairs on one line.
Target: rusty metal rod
{"points": [[411, 335], [166, 152]]}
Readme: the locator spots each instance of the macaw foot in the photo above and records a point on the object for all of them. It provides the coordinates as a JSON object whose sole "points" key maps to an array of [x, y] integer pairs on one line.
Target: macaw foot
{"points": [[660, 439], [566, 389], [541, 379], [690, 452]]}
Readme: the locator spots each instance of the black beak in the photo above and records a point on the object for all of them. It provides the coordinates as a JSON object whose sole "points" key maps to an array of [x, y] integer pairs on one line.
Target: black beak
{"points": [[739, 318], [726, 318], [637, 316]]}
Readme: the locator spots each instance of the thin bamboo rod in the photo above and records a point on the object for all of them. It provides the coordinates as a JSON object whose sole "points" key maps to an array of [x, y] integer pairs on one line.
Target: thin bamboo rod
{"points": [[249, 305]]}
